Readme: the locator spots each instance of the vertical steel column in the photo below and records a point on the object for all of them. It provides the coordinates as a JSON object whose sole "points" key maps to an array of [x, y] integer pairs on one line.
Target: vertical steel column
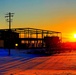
{"points": [[36, 38], [28, 37], [42, 38]]}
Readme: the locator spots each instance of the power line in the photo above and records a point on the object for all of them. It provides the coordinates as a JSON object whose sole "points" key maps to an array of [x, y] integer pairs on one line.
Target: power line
{"points": [[9, 20]]}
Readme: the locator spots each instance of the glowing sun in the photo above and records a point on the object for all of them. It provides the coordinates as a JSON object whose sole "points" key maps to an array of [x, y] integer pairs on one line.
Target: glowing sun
{"points": [[74, 35]]}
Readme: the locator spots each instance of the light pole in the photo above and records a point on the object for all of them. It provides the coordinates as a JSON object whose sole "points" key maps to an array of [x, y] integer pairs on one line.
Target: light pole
{"points": [[9, 20]]}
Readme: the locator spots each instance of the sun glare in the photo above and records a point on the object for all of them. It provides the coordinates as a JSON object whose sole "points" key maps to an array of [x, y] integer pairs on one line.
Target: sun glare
{"points": [[72, 38], [74, 35]]}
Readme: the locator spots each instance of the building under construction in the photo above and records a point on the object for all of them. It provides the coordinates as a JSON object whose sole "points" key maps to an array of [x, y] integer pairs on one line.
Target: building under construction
{"points": [[26, 37]]}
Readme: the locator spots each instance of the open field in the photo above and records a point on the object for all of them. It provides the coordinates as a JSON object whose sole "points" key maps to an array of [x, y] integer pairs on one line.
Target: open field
{"points": [[58, 64]]}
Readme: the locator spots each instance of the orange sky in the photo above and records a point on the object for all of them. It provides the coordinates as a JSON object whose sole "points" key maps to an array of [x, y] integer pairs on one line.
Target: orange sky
{"points": [[55, 15]]}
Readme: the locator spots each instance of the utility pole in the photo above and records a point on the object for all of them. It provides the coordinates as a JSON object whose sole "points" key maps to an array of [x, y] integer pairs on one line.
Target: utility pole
{"points": [[9, 20]]}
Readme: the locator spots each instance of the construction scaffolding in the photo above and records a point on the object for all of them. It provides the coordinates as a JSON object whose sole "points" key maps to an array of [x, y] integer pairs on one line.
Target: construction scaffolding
{"points": [[32, 37]]}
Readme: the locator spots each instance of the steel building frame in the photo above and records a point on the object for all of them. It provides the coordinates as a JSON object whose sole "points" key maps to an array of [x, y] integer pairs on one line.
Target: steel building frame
{"points": [[29, 35]]}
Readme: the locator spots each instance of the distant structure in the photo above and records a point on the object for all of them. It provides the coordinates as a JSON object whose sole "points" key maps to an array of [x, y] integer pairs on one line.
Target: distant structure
{"points": [[25, 38], [53, 44], [4, 38]]}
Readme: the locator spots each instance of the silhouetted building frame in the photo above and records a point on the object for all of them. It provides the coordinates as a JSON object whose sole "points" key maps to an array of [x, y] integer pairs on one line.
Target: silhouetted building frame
{"points": [[30, 37]]}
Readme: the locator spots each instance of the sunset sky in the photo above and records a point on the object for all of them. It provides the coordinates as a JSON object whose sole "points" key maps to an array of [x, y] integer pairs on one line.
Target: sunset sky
{"points": [[55, 15]]}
